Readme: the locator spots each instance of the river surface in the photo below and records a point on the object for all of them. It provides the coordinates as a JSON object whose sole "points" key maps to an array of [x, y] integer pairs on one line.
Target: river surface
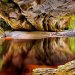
{"points": [[49, 51]]}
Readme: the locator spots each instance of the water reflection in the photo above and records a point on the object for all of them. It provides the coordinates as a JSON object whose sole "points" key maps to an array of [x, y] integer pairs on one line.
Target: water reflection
{"points": [[49, 51]]}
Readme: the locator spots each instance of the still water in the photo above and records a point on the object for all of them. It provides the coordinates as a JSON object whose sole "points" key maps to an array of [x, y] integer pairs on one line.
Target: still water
{"points": [[48, 51]]}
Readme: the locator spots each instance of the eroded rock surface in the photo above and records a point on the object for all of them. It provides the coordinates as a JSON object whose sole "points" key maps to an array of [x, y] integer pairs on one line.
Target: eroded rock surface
{"points": [[42, 15]]}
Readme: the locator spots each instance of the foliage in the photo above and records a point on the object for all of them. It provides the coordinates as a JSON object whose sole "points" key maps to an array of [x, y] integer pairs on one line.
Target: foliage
{"points": [[72, 23], [5, 1], [4, 25]]}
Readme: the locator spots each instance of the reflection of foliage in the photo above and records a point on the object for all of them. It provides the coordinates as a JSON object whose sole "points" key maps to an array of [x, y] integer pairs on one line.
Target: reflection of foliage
{"points": [[1, 62], [0, 49], [4, 0], [4, 25], [1, 41], [72, 43], [0, 54]]}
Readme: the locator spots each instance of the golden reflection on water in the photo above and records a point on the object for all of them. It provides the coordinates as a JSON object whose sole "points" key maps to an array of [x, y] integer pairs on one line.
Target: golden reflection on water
{"points": [[49, 51]]}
